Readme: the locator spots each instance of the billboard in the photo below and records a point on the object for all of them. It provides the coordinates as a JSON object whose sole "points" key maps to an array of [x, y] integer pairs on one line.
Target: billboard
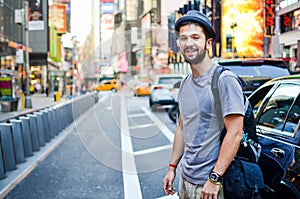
{"points": [[35, 15], [269, 17], [58, 17], [242, 28]]}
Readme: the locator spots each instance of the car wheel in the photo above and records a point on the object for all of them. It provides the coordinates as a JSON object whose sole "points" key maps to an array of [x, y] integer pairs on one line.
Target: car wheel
{"points": [[150, 102], [287, 190], [172, 113], [114, 90]]}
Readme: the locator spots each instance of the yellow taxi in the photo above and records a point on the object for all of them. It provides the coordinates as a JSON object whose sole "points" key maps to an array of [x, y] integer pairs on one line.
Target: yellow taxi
{"points": [[109, 85], [142, 90]]}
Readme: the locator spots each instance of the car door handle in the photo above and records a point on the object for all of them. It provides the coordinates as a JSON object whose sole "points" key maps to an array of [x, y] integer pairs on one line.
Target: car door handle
{"points": [[278, 152]]}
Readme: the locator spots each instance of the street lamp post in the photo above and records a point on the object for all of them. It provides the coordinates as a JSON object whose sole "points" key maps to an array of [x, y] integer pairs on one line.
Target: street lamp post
{"points": [[28, 103]]}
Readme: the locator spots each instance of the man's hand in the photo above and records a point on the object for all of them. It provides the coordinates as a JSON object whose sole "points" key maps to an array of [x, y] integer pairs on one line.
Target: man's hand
{"points": [[168, 182], [210, 191]]}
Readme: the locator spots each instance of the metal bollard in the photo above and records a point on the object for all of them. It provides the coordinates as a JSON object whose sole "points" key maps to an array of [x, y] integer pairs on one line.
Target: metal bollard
{"points": [[54, 119], [45, 116], [57, 119], [17, 140], [34, 133], [2, 168], [51, 123], [7, 147], [40, 129], [26, 135]]}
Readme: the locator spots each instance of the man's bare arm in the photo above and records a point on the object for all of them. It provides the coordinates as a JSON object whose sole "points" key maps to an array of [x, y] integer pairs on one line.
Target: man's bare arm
{"points": [[231, 142]]}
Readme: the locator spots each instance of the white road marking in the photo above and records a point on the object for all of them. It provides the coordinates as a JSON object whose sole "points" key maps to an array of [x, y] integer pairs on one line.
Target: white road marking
{"points": [[174, 196], [142, 126], [164, 129], [152, 150], [131, 182], [103, 98], [137, 115]]}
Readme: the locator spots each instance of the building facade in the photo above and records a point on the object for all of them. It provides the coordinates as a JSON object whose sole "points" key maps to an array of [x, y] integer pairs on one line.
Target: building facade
{"points": [[289, 38]]}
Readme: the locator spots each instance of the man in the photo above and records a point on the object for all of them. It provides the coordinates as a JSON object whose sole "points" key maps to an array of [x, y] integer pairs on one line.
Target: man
{"points": [[203, 160]]}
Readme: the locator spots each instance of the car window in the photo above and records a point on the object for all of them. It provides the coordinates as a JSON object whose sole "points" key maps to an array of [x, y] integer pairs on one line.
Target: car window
{"points": [[257, 97], [278, 109], [169, 80], [263, 71]]}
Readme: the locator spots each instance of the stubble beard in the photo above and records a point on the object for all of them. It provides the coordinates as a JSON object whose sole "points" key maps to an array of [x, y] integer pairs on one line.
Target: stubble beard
{"points": [[199, 56]]}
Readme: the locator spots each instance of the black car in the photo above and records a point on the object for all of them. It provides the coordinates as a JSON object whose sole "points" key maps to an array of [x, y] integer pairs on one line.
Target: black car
{"points": [[254, 72], [276, 107]]}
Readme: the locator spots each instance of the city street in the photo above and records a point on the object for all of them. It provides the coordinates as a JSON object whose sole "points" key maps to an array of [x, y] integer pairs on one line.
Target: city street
{"points": [[119, 149]]}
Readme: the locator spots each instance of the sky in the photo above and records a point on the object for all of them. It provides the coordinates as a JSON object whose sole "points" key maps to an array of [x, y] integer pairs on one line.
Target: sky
{"points": [[81, 14], [81, 19]]}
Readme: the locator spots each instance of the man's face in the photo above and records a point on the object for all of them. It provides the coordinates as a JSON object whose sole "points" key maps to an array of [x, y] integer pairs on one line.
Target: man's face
{"points": [[192, 43]]}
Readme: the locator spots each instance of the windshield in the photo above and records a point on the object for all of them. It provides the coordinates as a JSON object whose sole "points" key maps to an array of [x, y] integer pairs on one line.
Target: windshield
{"points": [[264, 71]]}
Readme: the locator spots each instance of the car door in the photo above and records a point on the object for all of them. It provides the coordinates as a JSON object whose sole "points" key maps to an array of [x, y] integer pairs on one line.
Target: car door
{"points": [[277, 112]]}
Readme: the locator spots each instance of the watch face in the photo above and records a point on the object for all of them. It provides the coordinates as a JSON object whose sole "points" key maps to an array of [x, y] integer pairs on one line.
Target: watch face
{"points": [[214, 177]]}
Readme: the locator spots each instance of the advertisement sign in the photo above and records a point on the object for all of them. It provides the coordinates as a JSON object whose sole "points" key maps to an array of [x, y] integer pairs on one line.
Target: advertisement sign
{"points": [[5, 88], [146, 38], [35, 15], [159, 47], [242, 28], [58, 17], [269, 17], [290, 21], [107, 8]]}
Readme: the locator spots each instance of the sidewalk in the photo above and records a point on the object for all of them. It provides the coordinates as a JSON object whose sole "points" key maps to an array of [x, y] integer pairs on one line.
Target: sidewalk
{"points": [[38, 101]]}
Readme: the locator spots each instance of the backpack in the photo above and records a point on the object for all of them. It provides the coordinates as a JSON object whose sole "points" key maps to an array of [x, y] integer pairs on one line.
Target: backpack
{"points": [[250, 148], [243, 177]]}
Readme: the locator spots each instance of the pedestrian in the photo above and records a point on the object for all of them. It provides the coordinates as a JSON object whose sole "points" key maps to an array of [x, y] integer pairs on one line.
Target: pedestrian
{"points": [[197, 151]]}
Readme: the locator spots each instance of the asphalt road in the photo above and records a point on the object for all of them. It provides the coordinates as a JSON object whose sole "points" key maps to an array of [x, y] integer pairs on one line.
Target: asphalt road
{"points": [[118, 149]]}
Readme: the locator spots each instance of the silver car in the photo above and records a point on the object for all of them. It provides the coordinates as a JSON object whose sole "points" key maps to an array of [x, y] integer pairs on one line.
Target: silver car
{"points": [[161, 90]]}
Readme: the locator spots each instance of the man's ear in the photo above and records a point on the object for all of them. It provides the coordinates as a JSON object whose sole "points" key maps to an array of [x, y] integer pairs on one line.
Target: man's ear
{"points": [[209, 43]]}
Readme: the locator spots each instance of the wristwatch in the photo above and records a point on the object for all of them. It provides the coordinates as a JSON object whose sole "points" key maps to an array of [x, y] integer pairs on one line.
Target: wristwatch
{"points": [[215, 177]]}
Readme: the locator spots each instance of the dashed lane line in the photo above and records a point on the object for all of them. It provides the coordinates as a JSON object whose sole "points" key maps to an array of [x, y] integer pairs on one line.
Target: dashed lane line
{"points": [[141, 126], [136, 115], [152, 150], [162, 127]]}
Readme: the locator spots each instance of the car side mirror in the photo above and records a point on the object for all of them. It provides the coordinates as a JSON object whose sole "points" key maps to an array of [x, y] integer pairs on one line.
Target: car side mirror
{"points": [[177, 84]]}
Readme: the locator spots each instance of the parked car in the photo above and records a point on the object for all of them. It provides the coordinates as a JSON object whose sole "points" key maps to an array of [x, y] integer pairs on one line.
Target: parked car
{"points": [[142, 90], [161, 90], [109, 85], [276, 107], [254, 72]]}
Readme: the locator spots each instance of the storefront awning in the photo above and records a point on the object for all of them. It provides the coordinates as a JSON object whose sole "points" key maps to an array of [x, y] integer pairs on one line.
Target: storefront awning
{"points": [[9, 48]]}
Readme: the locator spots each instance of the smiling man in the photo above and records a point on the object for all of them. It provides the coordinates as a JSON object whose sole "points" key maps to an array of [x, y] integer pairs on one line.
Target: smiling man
{"points": [[197, 149]]}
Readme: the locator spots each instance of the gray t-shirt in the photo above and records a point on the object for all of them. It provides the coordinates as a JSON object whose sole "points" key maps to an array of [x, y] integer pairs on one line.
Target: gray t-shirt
{"points": [[200, 123]]}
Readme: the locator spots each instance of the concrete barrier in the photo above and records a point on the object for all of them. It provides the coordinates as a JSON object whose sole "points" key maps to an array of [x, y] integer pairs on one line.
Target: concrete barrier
{"points": [[51, 123], [7, 147], [2, 168], [46, 127], [26, 136], [40, 128], [34, 133], [17, 140]]}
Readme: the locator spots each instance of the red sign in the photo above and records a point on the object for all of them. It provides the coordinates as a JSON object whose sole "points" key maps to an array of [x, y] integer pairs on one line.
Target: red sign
{"points": [[269, 17]]}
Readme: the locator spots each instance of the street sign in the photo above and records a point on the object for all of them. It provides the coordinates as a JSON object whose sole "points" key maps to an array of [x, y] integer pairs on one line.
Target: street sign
{"points": [[19, 55], [19, 16]]}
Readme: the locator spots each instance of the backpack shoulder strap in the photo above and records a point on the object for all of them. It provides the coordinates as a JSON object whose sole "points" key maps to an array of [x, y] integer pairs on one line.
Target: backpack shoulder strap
{"points": [[215, 91]]}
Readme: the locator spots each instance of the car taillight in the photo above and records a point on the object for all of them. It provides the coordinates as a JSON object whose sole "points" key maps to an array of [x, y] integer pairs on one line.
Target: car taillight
{"points": [[158, 87]]}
